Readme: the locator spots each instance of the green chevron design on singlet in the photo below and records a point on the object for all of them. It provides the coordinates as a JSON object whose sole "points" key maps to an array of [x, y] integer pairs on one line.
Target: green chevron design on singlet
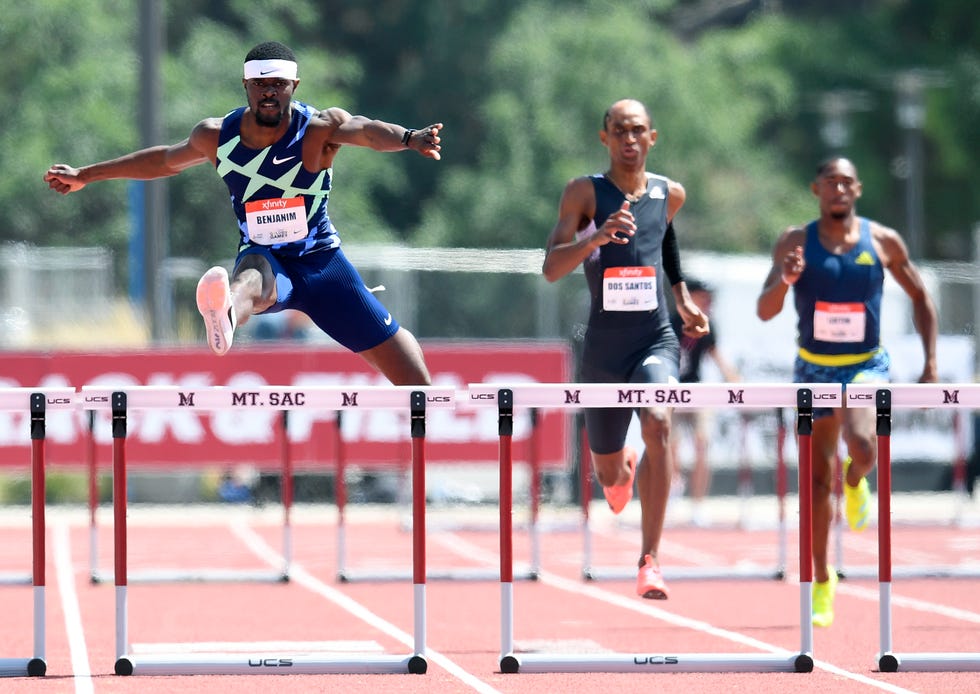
{"points": [[257, 180]]}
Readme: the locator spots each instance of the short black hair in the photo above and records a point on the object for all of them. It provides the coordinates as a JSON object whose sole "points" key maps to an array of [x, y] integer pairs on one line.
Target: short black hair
{"points": [[827, 161], [271, 50]]}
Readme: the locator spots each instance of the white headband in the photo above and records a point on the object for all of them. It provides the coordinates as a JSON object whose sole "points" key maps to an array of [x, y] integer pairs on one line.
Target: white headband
{"points": [[259, 69]]}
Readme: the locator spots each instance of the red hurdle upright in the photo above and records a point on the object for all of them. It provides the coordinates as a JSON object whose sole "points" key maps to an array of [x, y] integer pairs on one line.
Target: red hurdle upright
{"points": [[37, 403]]}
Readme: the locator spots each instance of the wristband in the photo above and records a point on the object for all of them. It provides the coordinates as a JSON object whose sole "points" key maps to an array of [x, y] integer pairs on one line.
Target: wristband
{"points": [[407, 136]]}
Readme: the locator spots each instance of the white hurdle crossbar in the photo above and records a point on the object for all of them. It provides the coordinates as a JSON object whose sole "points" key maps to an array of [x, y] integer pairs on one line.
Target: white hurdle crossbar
{"points": [[571, 395], [415, 399], [884, 398], [37, 403]]}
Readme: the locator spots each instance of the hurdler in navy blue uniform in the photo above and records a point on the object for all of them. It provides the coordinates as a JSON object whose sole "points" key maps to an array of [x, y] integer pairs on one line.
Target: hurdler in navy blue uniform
{"points": [[276, 158], [619, 226], [836, 267]]}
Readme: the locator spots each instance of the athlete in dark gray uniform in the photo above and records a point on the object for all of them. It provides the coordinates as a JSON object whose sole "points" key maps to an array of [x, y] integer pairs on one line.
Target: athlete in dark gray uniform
{"points": [[619, 225], [275, 157]]}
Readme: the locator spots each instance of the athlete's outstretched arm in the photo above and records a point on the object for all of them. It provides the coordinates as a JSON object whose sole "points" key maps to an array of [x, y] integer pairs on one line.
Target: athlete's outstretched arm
{"points": [[379, 135], [144, 164]]}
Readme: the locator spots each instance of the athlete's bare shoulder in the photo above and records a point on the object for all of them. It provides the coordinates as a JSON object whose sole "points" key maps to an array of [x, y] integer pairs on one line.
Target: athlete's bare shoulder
{"points": [[790, 238], [330, 118], [888, 243], [205, 135]]}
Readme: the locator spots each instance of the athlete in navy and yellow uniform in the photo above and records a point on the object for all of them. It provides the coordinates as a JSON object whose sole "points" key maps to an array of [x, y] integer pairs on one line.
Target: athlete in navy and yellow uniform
{"points": [[619, 226], [836, 267], [275, 155]]}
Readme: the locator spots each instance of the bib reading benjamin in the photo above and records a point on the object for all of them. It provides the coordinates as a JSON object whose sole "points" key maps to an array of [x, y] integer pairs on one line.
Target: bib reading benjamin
{"points": [[279, 220]]}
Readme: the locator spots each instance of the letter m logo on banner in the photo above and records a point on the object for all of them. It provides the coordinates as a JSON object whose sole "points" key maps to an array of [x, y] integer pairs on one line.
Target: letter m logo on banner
{"points": [[736, 396]]}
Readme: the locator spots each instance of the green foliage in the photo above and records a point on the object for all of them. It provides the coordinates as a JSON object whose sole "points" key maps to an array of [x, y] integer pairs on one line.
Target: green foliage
{"points": [[520, 86], [60, 487]]}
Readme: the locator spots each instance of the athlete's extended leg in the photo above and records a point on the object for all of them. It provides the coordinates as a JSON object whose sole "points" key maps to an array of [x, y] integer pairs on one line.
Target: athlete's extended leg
{"points": [[225, 304], [400, 360], [653, 478], [862, 449]]}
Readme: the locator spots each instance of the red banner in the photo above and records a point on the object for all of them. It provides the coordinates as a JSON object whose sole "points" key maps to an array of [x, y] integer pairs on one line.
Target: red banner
{"points": [[179, 438]]}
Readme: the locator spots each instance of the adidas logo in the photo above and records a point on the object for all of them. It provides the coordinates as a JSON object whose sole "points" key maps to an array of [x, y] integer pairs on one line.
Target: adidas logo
{"points": [[864, 258]]}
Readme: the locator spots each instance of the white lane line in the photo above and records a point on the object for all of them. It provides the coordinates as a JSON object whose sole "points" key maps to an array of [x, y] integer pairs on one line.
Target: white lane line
{"points": [[64, 568], [872, 595], [577, 587], [297, 574]]}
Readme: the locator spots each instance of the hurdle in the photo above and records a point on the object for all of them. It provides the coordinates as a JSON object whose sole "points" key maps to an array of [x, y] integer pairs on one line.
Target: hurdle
{"points": [[197, 575], [349, 575], [570, 395], [961, 496], [37, 404], [259, 660], [745, 571], [884, 399]]}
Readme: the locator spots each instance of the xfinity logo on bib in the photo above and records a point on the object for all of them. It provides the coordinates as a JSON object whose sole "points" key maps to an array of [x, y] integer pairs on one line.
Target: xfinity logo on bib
{"points": [[275, 204]]}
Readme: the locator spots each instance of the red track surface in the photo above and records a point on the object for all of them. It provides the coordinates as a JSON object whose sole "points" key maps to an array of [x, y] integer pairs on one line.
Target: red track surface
{"points": [[559, 613]]}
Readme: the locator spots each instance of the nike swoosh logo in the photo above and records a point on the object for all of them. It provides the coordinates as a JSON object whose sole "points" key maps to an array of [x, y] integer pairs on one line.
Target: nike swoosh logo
{"points": [[266, 72], [388, 320], [277, 160]]}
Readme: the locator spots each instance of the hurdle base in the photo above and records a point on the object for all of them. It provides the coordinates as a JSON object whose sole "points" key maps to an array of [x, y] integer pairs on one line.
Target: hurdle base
{"points": [[194, 576], [21, 667], [9, 578], [929, 662], [654, 663], [690, 573], [406, 575], [971, 570], [269, 664]]}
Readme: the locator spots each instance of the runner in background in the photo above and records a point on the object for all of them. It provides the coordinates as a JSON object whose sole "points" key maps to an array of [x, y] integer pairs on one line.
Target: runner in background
{"points": [[619, 225], [696, 423], [836, 266]]}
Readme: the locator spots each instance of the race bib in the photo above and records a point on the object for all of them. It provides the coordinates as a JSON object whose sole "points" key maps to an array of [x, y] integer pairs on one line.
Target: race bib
{"points": [[629, 289], [279, 220], [839, 322]]}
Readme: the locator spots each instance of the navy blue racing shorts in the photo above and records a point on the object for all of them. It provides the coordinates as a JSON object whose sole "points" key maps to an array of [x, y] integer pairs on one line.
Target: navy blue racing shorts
{"points": [[327, 288]]}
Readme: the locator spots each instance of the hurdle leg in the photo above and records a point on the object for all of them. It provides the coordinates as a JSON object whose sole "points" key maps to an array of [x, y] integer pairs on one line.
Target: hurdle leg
{"points": [[535, 464], [36, 665], [887, 661], [781, 490], [287, 499], [123, 665], [417, 664], [93, 498], [505, 424], [804, 428], [340, 486]]}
